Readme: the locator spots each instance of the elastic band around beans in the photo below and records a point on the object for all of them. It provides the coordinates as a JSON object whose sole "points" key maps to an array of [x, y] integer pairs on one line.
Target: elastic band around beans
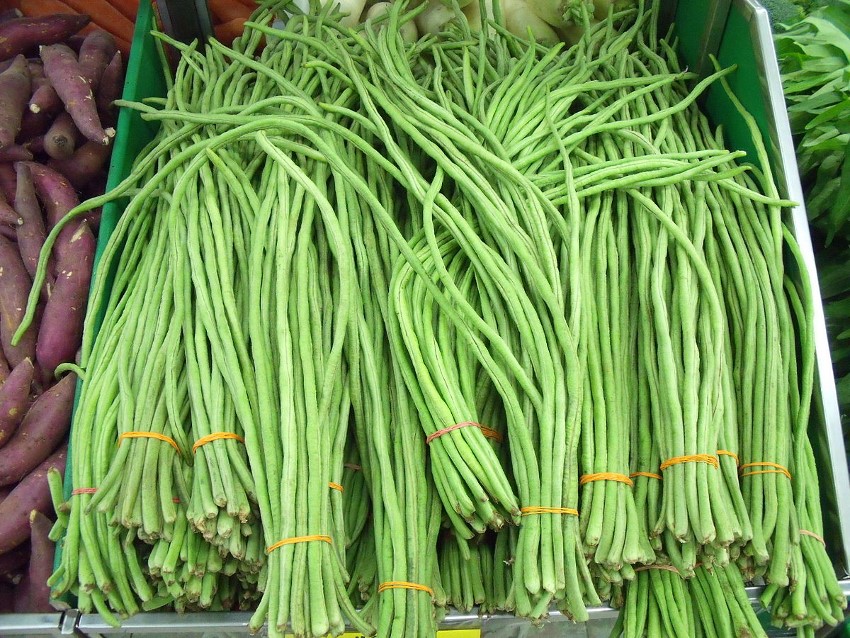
{"points": [[777, 469], [817, 537], [528, 511], [606, 476], [491, 434], [690, 458], [731, 454], [400, 584], [299, 539], [149, 435], [215, 436], [83, 490], [451, 428], [651, 475], [336, 486]]}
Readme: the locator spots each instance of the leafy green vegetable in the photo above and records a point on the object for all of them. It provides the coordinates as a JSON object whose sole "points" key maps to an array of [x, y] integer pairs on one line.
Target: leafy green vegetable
{"points": [[814, 56]]}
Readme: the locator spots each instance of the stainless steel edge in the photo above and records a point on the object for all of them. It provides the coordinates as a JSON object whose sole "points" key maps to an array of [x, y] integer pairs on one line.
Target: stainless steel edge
{"points": [[786, 163], [47, 624], [237, 623]]}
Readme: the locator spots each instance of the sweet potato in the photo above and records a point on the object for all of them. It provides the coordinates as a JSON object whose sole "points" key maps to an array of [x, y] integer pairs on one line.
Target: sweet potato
{"points": [[15, 153], [55, 191], [44, 98], [32, 493], [22, 34], [4, 492], [31, 232], [13, 563], [61, 138], [95, 54], [7, 598], [110, 88], [63, 69], [45, 425], [4, 367], [36, 145], [32, 594], [7, 213], [14, 92], [84, 165], [15, 399], [15, 284], [7, 181], [9, 14], [62, 324]]}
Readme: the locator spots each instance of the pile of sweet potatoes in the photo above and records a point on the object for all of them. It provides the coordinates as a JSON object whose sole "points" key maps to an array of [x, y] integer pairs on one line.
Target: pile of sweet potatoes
{"points": [[56, 128]]}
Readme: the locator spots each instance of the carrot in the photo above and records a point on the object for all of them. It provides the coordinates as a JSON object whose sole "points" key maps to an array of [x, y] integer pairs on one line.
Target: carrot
{"points": [[128, 8], [104, 15], [227, 10], [229, 30]]}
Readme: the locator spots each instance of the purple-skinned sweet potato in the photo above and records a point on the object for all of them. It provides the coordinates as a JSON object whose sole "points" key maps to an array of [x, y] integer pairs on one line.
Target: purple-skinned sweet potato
{"points": [[4, 367], [15, 399], [15, 153], [55, 192], [111, 86], [30, 231], [7, 598], [7, 182], [8, 215], [14, 92], [61, 327], [32, 594], [15, 284], [63, 69], [44, 426], [12, 562], [60, 141], [84, 165], [44, 98], [96, 51], [9, 14], [32, 493], [22, 34]]}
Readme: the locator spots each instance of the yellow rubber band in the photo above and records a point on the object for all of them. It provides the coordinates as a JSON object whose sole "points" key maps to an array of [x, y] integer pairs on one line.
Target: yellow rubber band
{"points": [[83, 490], [778, 469], [606, 476], [299, 539], [651, 475], [668, 568], [732, 454], [528, 511], [336, 486], [817, 537], [400, 584], [690, 458], [215, 436], [149, 435]]}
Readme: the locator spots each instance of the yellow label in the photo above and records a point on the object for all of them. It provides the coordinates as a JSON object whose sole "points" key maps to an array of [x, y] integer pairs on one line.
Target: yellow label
{"points": [[447, 633]]}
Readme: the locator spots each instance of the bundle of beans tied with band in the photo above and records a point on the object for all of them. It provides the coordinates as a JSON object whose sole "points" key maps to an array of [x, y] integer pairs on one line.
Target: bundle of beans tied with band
{"points": [[470, 321], [56, 129]]}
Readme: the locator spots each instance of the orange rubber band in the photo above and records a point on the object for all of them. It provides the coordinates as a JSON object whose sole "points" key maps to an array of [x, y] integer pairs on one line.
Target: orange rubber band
{"points": [[299, 539], [817, 537], [487, 432], [491, 434], [175, 500], [352, 466], [149, 435], [83, 490], [400, 584], [690, 458], [606, 476], [732, 454], [778, 469], [528, 511], [336, 486], [651, 475], [215, 436], [668, 568]]}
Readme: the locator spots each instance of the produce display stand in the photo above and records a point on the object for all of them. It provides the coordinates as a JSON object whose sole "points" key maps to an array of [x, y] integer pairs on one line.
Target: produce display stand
{"points": [[736, 31]]}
